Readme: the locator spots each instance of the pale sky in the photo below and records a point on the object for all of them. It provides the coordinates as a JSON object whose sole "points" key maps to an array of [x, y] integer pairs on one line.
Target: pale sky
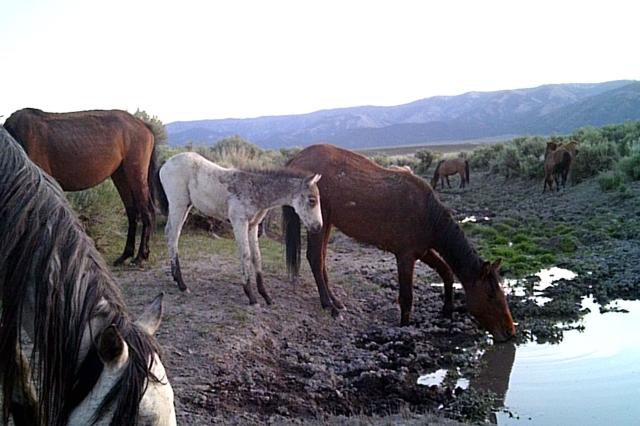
{"points": [[187, 60]]}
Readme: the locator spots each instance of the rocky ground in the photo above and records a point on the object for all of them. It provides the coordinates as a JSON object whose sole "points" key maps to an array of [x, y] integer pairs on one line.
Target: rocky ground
{"points": [[292, 363]]}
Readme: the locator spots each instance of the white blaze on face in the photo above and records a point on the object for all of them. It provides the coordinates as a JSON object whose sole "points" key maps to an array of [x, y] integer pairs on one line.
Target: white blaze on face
{"points": [[307, 203], [157, 406]]}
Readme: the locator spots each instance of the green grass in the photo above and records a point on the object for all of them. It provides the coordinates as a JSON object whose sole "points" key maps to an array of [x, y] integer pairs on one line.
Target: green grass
{"points": [[523, 249]]}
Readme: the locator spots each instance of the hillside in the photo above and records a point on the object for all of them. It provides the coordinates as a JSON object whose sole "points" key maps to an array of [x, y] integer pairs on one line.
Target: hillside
{"points": [[548, 109]]}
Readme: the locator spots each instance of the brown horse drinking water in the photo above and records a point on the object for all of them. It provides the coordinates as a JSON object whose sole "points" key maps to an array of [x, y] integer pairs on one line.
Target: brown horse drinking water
{"points": [[397, 212], [82, 149], [448, 167]]}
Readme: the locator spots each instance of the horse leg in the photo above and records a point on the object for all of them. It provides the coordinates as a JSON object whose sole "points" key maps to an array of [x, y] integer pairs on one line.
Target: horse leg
{"points": [[137, 181], [241, 234], [461, 179], [120, 181], [178, 212], [337, 303], [448, 183], [435, 262], [256, 258], [406, 264], [316, 252]]}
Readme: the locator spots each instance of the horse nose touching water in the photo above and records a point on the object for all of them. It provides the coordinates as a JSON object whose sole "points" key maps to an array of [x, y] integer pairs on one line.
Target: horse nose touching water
{"points": [[400, 213], [92, 364]]}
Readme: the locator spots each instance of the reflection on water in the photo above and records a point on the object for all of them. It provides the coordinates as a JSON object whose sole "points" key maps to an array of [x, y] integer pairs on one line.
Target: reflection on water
{"points": [[591, 377], [546, 278], [437, 378]]}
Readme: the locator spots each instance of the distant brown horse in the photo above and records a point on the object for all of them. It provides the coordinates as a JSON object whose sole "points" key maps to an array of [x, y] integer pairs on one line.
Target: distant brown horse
{"points": [[397, 212], [448, 167], [82, 149], [558, 160]]}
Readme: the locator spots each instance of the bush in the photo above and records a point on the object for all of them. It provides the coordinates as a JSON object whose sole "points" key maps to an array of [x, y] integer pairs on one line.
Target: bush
{"points": [[611, 180], [630, 167], [485, 157], [425, 158], [593, 158]]}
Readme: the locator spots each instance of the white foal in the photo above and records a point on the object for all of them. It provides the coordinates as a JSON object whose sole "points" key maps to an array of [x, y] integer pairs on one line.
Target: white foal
{"points": [[241, 196]]}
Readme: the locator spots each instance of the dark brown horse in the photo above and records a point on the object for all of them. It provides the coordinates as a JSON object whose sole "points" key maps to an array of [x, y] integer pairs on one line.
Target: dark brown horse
{"points": [[397, 212], [82, 149], [558, 160], [448, 167]]}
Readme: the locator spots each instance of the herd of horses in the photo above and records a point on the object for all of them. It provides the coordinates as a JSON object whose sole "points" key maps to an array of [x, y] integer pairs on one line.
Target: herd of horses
{"points": [[90, 362]]}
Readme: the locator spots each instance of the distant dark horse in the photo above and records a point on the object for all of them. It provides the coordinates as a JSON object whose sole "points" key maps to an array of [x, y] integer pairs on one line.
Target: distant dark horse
{"points": [[89, 362], [397, 212], [558, 160], [82, 149], [448, 167]]}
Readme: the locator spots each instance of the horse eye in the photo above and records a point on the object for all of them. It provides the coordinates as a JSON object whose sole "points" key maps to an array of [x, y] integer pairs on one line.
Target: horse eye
{"points": [[312, 201]]}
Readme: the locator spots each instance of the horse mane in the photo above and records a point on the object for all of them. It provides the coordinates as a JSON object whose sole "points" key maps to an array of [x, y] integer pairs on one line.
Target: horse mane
{"points": [[450, 241], [275, 172], [48, 260]]}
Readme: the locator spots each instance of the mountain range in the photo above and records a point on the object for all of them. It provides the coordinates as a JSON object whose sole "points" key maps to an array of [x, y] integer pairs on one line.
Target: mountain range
{"points": [[552, 109]]}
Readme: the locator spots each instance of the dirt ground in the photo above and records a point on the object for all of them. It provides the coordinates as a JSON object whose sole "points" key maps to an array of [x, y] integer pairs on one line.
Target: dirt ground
{"points": [[292, 363], [234, 363]]}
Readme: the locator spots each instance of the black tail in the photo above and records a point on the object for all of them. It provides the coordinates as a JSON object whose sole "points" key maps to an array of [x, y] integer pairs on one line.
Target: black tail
{"points": [[434, 181], [291, 234], [466, 169], [153, 183], [159, 194]]}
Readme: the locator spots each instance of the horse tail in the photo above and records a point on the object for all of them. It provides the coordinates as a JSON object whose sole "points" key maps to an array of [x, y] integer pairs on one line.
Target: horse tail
{"points": [[565, 163], [466, 170], [153, 181], [291, 235], [435, 173], [160, 194]]}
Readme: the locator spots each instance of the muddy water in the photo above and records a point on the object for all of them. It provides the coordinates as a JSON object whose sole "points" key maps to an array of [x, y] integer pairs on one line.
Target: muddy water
{"points": [[591, 377]]}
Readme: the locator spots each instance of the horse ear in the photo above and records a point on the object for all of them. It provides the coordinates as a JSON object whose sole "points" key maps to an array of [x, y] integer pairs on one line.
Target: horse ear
{"points": [[111, 346], [486, 269], [150, 319], [312, 180], [496, 265]]}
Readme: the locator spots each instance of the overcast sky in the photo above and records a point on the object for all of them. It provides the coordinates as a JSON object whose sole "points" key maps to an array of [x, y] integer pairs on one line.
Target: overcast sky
{"points": [[186, 60]]}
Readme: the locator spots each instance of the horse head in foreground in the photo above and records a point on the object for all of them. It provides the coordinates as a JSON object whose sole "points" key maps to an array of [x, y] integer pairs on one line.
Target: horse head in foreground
{"points": [[400, 213], [241, 196], [90, 362]]}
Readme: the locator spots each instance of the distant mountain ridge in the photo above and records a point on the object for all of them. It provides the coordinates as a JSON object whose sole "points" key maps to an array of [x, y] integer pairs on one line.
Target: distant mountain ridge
{"points": [[546, 110]]}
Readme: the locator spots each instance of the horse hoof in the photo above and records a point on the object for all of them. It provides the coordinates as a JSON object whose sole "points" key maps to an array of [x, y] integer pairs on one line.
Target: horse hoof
{"points": [[339, 305], [119, 261], [335, 313], [138, 261]]}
